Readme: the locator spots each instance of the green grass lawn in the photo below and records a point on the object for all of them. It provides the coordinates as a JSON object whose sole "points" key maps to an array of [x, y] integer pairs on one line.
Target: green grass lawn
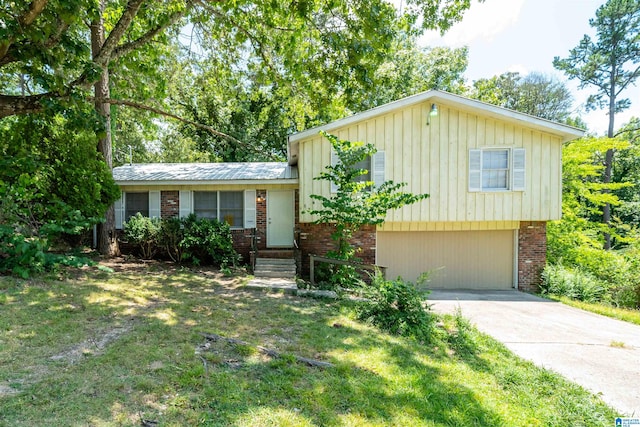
{"points": [[101, 349], [625, 314]]}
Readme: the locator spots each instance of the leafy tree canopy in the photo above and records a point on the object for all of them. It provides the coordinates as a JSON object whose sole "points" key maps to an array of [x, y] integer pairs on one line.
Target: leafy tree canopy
{"points": [[534, 94]]}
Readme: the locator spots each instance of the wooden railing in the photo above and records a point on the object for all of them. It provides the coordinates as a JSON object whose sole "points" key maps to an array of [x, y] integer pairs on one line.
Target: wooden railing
{"points": [[357, 265]]}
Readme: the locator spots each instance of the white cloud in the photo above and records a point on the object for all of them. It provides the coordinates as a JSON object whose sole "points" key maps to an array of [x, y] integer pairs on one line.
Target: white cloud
{"points": [[482, 22], [518, 68]]}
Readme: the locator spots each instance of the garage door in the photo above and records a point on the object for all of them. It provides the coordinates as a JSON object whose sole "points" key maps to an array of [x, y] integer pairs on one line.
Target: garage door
{"points": [[456, 259]]}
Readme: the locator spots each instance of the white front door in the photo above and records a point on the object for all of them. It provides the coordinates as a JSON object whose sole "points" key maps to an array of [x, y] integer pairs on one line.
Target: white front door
{"points": [[280, 218]]}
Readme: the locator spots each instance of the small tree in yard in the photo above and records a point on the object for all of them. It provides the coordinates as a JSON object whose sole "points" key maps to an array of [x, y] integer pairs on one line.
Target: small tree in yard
{"points": [[355, 203]]}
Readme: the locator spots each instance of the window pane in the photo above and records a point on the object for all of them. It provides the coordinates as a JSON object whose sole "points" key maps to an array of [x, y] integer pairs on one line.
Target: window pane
{"points": [[205, 204], [232, 208], [364, 164], [495, 169], [136, 202], [495, 159]]}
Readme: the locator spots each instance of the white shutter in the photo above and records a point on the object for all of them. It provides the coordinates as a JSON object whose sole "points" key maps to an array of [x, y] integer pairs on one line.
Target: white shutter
{"points": [[378, 164], [249, 208], [475, 170], [519, 175], [118, 206], [154, 204], [334, 161], [185, 203]]}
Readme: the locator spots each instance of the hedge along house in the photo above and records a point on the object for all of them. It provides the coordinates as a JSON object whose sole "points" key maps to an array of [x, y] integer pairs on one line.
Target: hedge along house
{"points": [[258, 200], [494, 177]]}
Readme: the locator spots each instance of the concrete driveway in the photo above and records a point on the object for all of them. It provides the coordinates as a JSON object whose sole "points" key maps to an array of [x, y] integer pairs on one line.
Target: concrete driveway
{"points": [[599, 353]]}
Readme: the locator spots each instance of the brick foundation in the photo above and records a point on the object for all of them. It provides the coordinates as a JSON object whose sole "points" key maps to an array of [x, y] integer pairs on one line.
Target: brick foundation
{"points": [[532, 254], [316, 239]]}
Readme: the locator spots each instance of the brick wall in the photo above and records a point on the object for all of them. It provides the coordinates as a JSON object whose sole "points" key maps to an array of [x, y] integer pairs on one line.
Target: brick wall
{"points": [[169, 204], [532, 254], [261, 218], [242, 243], [316, 239]]}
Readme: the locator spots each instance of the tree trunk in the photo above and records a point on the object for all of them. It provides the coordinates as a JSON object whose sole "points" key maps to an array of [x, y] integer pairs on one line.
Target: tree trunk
{"points": [[608, 159], [107, 241]]}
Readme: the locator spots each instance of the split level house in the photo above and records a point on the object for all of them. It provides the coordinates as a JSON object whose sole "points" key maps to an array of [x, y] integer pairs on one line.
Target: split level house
{"points": [[494, 177]]}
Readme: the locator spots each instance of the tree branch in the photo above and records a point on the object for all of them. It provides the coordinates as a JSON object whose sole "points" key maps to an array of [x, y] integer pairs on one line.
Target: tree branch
{"points": [[268, 351], [19, 105], [149, 35], [35, 9], [183, 120], [123, 24]]}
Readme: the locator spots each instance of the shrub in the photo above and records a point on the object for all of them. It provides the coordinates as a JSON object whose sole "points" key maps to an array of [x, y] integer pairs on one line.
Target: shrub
{"points": [[398, 307], [572, 283], [143, 232], [21, 255], [208, 240], [170, 238], [27, 254]]}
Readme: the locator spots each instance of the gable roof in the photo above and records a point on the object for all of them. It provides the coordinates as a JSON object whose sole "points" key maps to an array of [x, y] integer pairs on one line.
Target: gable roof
{"points": [[565, 132], [204, 173]]}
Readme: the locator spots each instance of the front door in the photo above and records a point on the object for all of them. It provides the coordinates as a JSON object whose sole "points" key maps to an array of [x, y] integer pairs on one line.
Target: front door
{"points": [[280, 218]]}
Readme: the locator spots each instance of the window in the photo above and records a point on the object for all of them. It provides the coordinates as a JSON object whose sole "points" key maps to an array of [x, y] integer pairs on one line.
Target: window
{"points": [[205, 204], [134, 203], [231, 208], [374, 165], [497, 169], [364, 164], [227, 206]]}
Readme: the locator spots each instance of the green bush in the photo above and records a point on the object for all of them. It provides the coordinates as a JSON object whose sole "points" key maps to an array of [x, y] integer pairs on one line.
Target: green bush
{"points": [[209, 241], [398, 307], [25, 255], [21, 255], [337, 278], [170, 238], [572, 283], [144, 233], [199, 240]]}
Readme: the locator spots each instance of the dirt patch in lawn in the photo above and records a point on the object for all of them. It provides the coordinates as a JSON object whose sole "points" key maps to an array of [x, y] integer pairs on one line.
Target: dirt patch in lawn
{"points": [[91, 347]]}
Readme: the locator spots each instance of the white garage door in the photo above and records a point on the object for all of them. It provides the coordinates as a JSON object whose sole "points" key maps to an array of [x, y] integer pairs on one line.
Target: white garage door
{"points": [[456, 259]]}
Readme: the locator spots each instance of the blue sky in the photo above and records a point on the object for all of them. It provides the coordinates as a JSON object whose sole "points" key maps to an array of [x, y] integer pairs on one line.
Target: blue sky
{"points": [[525, 36]]}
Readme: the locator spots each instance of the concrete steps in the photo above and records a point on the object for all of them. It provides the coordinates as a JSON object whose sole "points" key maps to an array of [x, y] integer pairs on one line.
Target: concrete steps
{"points": [[284, 268]]}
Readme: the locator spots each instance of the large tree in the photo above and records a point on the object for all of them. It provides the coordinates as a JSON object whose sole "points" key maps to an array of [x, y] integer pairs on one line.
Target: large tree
{"points": [[534, 93], [611, 63], [54, 52]]}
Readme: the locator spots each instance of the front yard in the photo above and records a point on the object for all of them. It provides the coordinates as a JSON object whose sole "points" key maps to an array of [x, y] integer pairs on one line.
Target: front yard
{"points": [[97, 348]]}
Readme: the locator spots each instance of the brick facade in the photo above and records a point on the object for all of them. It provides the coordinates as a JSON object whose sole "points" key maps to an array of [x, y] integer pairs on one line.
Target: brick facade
{"points": [[532, 254], [261, 219], [315, 239], [242, 242], [169, 204]]}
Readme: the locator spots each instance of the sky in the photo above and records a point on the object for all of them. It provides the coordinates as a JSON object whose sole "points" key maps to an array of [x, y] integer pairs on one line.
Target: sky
{"points": [[525, 36]]}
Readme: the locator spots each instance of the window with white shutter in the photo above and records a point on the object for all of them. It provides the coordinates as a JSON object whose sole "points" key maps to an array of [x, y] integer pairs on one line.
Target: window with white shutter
{"points": [[249, 208], [119, 211], [185, 203], [375, 167], [154, 204], [497, 169], [378, 166], [134, 203]]}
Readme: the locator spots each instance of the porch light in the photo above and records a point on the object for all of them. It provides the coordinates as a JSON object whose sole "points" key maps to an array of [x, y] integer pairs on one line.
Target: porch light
{"points": [[432, 113]]}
